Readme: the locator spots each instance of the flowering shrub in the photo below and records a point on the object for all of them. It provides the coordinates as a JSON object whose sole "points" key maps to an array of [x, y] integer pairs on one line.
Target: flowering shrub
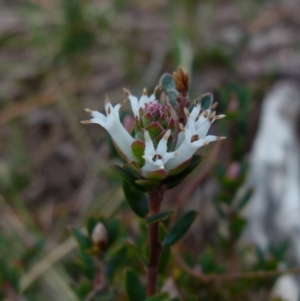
{"points": [[160, 154]]}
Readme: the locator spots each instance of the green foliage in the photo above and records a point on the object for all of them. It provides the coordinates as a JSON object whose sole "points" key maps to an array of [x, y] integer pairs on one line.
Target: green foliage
{"points": [[9, 277], [115, 261], [180, 228], [206, 101], [137, 252], [31, 228], [164, 259], [129, 175], [77, 35], [208, 262], [213, 56], [136, 199], [159, 297], [83, 241], [134, 288], [159, 217]]}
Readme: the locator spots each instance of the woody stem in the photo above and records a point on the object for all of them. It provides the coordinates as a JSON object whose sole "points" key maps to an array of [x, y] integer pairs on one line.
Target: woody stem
{"points": [[155, 197]]}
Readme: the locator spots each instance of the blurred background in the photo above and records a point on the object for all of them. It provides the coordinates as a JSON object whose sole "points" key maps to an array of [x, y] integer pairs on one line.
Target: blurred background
{"points": [[59, 57]]}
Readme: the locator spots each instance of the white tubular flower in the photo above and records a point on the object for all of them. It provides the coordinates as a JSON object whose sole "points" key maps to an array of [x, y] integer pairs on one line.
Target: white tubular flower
{"points": [[152, 151], [193, 135], [188, 147], [111, 122], [137, 104], [156, 159]]}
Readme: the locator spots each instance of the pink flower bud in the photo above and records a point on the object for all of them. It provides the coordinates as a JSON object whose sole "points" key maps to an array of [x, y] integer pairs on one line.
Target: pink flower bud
{"points": [[99, 235]]}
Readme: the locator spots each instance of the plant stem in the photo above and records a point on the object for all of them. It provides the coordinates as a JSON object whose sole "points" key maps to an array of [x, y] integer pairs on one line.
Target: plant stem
{"points": [[155, 197]]}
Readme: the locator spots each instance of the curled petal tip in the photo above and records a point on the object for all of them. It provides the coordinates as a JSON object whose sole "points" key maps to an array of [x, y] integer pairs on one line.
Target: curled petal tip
{"points": [[156, 89], [85, 121], [123, 102], [126, 92], [221, 138], [145, 91], [88, 111], [220, 116]]}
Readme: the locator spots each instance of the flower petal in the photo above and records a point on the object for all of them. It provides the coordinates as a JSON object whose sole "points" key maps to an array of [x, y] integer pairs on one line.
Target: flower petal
{"points": [[162, 145], [113, 125]]}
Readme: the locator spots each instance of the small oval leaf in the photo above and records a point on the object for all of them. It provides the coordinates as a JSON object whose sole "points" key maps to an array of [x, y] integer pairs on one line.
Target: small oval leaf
{"points": [[83, 241], [159, 217], [134, 288], [136, 199], [180, 228], [206, 101], [168, 85]]}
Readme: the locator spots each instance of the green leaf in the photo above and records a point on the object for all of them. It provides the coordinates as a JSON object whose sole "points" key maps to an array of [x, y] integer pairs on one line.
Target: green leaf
{"points": [[159, 217], [168, 85], [117, 259], [237, 225], [159, 297], [86, 264], [136, 199], [164, 259], [245, 199], [180, 228], [138, 148], [90, 224], [134, 288], [220, 211], [83, 241], [173, 181], [147, 183], [138, 253], [128, 174], [206, 101], [113, 229]]}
